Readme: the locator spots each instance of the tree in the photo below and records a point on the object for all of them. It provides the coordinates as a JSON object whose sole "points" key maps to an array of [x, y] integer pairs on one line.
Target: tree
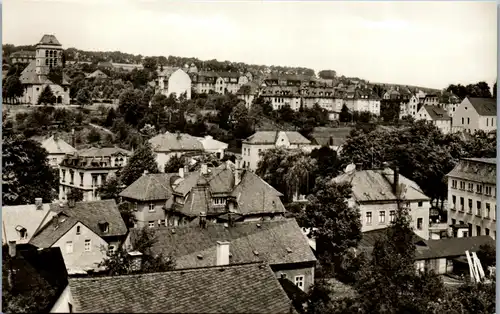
{"points": [[84, 97], [75, 195], [111, 188], [241, 122], [345, 115], [495, 90], [327, 74], [46, 96], [335, 226], [142, 160], [132, 106], [150, 63], [110, 117], [328, 164], [94, 136], [26, 173], [120, 262], [487, 255], [13, 88], [174, 164]]}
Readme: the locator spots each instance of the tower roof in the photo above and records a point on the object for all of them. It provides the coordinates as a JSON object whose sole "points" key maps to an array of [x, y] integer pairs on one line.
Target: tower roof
{"points": [[49, 40]]}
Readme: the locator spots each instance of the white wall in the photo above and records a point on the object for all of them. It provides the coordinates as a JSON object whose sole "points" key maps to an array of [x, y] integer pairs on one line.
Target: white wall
{"points": [[179, 83], [62, 304]]}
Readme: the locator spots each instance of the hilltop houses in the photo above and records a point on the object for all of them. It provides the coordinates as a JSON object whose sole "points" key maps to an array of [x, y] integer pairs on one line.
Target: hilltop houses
{"points": [[173, 81], [475, 114]]}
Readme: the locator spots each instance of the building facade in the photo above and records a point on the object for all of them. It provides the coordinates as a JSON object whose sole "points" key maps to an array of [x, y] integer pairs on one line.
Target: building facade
{"points": [[57, 150], [88, 169], [174, 81], [437, 116], [167, 145], [475, 114], [22, 57], [472, 196]]}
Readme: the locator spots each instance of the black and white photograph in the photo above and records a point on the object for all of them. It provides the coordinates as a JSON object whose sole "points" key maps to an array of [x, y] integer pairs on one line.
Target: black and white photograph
{"points": [[249, 156]]}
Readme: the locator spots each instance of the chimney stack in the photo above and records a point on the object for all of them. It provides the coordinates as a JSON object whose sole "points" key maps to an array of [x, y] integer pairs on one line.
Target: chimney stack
{"points": [[222, 253], [12, 248], [39, 203], [181, 172], [203, 220], [145, 172], [396, 179], [204, 169], [136, 257]]}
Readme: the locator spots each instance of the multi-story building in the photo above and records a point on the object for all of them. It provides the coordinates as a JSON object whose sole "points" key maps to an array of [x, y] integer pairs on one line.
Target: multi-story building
{"points": [[88, 169], [173, 81], [22, 57], [264, 140], [57, 149], [472, 196], [218, 82], [377, 194], [409, 108], [363, 100], [431, 100], [437, 116], [475, 114], [248, 92], [35, 76], [174, 144]]}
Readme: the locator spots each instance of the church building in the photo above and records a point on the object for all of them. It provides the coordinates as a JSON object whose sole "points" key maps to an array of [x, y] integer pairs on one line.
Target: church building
{"points": [[35, 77]]}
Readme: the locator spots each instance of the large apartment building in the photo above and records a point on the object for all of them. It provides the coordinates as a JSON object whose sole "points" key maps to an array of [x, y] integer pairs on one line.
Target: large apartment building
{"points": [[218, 82], [88, 169], [472, 196]]}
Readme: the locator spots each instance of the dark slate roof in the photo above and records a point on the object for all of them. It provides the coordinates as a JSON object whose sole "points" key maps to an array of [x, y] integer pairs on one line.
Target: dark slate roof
{"points": [[49, 40], [376, 185], [29, 76], [484, 106], [88, 213], [437, 113], [276, 242], [475, 169], [32, 266], [150, 187], [250, 288], [453, 247]]}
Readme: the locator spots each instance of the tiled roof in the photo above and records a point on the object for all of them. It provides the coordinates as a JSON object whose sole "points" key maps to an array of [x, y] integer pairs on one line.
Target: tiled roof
{"points": [[484, 106], [270, 137], [175, 142], [49, 40], [97, 73], [475, 169], [150, 187], [437, 113], [330, 136], [209, 143], [88, 213], [26, 216], [251, 288], [376, 185], [371, 237], [57, 146], [167, 71], [103, 152], [29, 76], [452, 247], [276, 242]]}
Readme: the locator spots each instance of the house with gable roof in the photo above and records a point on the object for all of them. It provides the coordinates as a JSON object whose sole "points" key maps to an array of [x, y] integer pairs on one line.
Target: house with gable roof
{"points": [[57, 149], [264, 140], [437, 116], [35, 76], [280, 243], [377, 193], [475, 114], [84, 231], [97, 74], [173, 81]]}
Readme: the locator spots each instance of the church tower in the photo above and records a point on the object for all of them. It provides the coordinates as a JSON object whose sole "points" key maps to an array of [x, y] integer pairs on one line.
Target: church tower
{"points": [[48, 54]]}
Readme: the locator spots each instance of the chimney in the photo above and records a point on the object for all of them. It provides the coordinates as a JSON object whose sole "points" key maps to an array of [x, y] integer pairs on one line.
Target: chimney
{"points": [[203, 220], [181, 172], [222, 253], [396, 179], [359, 166], [145, 172], [186, 169], [71, 202], [73, 138], [204, 169], [39, 203], [136, 260], [12, 248]]}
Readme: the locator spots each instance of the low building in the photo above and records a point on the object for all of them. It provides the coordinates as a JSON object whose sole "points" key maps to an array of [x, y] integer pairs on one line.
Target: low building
{"points": [[279, 243], [472, 195], [264, 140], [174, 81], [475, 114], [246, 288], [84, 231], [88, 169], [22, 57], [127, 66], [333, 138], [57, 149], [212, 146], [377, 193], [174, 144], [97, 74], [437, 116]]}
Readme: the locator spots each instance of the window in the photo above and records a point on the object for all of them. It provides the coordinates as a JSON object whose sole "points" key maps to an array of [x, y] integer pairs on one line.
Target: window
{"points": [[151, 207], [111, 249], [72, 177], [478, 208], [470, 205], [454, 184], [369, 218], [463, 121], [299, 282], [420, 204], [219, 201], [487, 190], [478, 231], [462, 203], [70, 306], [63, 174], [488, 210], [468, 120], [479, 189], [454, 201], [87, 245], [462, 185], [81, 178], [392, 215], [78, 231], [486, 231], [471, 187], [163, 222], [151, 224], [420, 222], [381, 217], [453, 221]]}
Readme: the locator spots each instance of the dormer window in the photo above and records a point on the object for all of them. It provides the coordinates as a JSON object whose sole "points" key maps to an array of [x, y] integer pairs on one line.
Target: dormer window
{"points": [[219, 201], [23, 233], [104, 226], [151, 207], [78, 230]]}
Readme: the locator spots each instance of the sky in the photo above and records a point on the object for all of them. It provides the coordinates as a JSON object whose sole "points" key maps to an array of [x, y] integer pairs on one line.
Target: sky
{"points": [[431, 44]]}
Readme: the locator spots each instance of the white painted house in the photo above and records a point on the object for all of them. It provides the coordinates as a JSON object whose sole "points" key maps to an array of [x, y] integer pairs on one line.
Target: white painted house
{"points": [[174, 81], [437, 116], [475, 114]]}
